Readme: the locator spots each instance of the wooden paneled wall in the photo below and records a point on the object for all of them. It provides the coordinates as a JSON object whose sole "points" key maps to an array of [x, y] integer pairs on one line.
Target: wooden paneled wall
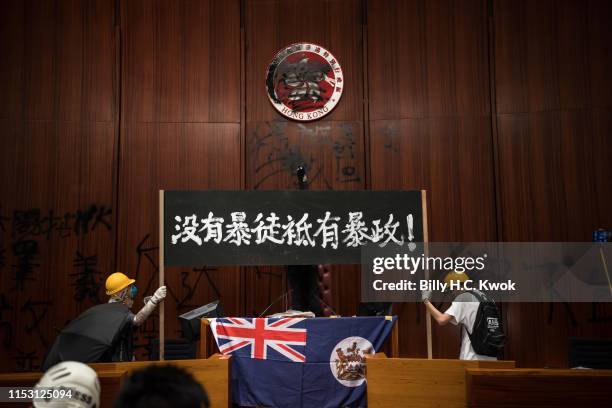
{"points": [[430, 125], [501, 109], [554, 127], [179, 130], [58, 155], [332, 149]]}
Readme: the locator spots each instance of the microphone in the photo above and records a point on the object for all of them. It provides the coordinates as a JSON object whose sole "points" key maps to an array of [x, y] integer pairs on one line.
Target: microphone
{"points": [[302, 177], [276, 300], [325, 304]]}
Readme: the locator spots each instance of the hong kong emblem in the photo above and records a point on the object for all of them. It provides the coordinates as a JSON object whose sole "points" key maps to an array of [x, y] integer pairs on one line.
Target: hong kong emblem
{"points": [[304, 82]]}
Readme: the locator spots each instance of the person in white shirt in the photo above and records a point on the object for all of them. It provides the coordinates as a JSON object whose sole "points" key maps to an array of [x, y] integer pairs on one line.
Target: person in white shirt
{"points": [[462, 311]]}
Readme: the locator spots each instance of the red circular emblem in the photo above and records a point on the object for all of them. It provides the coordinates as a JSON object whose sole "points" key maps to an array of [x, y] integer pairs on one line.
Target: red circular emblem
{"points": [[304, 81]]}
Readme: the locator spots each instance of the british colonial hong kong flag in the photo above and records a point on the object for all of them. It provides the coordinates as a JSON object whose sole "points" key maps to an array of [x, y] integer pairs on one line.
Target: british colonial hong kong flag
{"points": [[295, 362]]}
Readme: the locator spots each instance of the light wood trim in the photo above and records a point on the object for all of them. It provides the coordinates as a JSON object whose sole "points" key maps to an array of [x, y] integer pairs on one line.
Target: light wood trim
{"points": [[425, 240], [424, 383], [395, 339], [537, 372], [212, 373]]}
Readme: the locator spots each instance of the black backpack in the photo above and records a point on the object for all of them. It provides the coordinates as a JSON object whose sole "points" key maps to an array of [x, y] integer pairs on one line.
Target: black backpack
{"points": [[487, 335]]}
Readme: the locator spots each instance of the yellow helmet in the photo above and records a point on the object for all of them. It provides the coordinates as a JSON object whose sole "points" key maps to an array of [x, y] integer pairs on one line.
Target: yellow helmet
{"points": [[117, 282], [455, 276]]}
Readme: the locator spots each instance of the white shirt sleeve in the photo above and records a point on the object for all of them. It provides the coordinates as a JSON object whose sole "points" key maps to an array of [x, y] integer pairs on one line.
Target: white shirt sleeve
{"points": [[458, 310]]}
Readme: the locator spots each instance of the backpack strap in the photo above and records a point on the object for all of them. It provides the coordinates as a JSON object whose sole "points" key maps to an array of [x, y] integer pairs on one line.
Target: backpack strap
{"points": [[463, 327], [481, 299]]}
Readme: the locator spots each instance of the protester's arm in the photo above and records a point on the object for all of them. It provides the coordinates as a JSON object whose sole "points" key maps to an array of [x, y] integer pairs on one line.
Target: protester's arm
{"points": [[143, 313], [441, 318]]}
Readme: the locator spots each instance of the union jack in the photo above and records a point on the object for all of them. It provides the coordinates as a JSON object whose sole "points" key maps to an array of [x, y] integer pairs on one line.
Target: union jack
{"points": [[234, 333]]}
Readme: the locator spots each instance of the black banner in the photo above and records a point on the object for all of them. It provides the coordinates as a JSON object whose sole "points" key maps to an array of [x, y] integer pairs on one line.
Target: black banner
{"points": [[285, 227]]}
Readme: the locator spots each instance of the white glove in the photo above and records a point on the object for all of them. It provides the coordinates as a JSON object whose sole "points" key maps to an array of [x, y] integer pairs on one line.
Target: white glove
{"points": [[159, 295], [425, 295]]}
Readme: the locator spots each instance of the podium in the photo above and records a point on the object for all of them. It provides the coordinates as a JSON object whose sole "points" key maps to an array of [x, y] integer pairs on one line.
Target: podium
{"points": [[326, 370], [423, 383]]}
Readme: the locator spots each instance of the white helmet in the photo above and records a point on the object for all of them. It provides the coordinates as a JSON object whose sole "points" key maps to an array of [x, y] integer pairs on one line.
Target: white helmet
{"points": [[78, 378]]}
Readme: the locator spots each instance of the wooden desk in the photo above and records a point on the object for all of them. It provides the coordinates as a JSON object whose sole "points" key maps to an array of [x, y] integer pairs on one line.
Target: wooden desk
{"points": [[538, 388], [18, 380], [212, 373], [410, 382], [110, 383]]}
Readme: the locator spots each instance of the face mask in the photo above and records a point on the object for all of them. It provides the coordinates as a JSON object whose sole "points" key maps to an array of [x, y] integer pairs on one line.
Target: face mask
{"points": [[133, 291]]}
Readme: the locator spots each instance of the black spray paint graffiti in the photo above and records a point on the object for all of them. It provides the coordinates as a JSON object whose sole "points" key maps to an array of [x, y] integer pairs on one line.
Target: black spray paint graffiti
{"points": [[32, 223], [346, 171], [27, 225], [145, 334], [147, 255], [2, 220], [272, 149], [6, 326], [28, 229], [596, 315], [190, 287], [26, 254], [2, 258], [93, 215], [37, 311], [274, 154], [26, 361], [190, 281], [568, 310], [86, 280], [390, 132], [148, 330]]}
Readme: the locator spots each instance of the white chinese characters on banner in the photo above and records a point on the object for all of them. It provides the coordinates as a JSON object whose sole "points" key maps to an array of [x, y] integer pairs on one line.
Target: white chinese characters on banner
{"points": [[328, 231], [238, 231]]}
